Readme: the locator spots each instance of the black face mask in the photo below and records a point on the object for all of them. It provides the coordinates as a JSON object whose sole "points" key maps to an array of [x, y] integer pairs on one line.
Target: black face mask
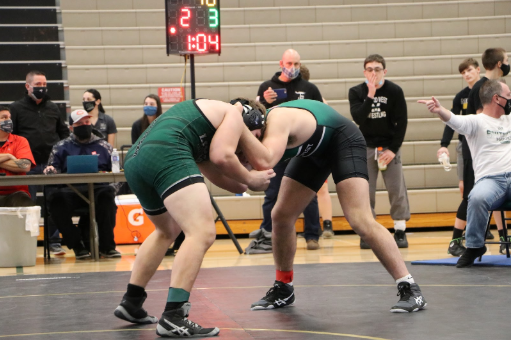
{"points": [[39, 92], [505, 69], [82, 132], [89, 106], [6, 125], [507, 106]]}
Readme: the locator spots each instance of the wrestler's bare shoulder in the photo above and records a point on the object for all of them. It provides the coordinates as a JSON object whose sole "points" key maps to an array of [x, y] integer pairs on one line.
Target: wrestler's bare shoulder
{"points": [[214, 110]]}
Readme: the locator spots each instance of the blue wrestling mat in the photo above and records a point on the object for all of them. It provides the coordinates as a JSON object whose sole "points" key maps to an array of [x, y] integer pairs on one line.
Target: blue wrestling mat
{"points": [[487, 261]]}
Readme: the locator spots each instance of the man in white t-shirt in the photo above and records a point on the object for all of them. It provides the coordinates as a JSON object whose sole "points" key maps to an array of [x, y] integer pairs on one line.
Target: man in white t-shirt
{"points": [[489, 137]]}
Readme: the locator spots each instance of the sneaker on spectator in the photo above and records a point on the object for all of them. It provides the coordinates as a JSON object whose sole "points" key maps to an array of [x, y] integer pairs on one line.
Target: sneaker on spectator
{"points": [[81, 253], [502, 248], [328, 231], [110, 253], [400, 237], [456, 247], [56, 249], [363, 244], [489, 235], [312, 245]]}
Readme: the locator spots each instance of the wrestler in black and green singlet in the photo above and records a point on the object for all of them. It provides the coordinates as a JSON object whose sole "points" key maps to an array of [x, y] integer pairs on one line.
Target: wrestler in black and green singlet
{"points": [[336, 146], [164, 158]]}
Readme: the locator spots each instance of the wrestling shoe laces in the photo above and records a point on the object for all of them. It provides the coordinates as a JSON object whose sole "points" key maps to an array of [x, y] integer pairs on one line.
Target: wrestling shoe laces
{"points": [[175, 324], [411, 299], [280, 295]]}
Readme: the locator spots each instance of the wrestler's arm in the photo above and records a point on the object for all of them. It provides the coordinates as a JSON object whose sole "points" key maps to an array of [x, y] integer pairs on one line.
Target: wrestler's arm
{"points": [[222, 152], [266, 154], [217, 178]]}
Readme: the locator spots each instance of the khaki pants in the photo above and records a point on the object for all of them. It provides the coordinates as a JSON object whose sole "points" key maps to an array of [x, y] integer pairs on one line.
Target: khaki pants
{"points": [[394, 183]]}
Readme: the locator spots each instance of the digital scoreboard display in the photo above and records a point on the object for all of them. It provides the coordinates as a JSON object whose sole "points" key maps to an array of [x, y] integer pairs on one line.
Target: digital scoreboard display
{"points": [[193, 26]]}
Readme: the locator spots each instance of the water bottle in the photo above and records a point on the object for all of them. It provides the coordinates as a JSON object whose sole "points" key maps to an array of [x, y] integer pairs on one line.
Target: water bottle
{"points": [[445, 161], [381, 165], [115, 161]]}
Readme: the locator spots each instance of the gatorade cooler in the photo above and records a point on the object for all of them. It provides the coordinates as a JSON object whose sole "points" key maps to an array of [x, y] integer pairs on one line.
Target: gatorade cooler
{"points": [[19, 228], [132, 224]]}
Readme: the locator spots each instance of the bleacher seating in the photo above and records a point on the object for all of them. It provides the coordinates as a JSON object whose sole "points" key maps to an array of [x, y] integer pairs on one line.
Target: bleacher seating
{"points": [[118, 47], [31, 39]]}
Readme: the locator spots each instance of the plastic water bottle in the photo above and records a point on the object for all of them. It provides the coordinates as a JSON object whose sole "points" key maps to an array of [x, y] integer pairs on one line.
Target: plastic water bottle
{"points": [[381, 165], [115, 161], [445, 161]]}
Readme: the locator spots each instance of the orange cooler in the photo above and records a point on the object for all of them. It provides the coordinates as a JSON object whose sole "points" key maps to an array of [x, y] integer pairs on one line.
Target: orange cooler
{"points": [[132, 224]]}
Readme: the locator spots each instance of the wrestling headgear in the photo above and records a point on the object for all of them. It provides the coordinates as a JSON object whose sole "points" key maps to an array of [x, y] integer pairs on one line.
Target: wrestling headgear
{"points": [[252, 117]]}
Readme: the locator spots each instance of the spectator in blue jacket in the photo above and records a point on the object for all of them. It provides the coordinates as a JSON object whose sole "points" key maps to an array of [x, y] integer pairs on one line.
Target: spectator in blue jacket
{"points": [[63, 201]]}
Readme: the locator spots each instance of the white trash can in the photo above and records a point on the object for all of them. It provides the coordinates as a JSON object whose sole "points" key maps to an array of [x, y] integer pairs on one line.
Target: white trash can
{"points": [[19, 228]]}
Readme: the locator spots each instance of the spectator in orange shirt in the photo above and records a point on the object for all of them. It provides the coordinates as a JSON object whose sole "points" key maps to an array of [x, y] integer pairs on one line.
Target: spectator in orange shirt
{"points": [[15, 159]]}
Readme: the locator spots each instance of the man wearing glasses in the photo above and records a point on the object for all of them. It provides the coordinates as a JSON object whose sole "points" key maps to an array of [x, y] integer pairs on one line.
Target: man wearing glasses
{"points": [[378, 106]]}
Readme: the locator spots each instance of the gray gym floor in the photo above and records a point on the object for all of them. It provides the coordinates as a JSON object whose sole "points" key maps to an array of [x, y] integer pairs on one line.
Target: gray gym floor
{"points": [[334, 301]]}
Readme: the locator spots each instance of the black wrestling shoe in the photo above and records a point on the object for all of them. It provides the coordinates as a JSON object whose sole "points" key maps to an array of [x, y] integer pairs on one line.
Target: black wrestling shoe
{"points": [[469, 256], [456, 247], [280, 295], [174, 324], [328, 231], [411, 299], [363, 244], [130, 309], [400, 237]]}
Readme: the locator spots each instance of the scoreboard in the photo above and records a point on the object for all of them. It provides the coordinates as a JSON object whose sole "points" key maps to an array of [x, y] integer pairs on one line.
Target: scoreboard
{"points": [[193, 26]]}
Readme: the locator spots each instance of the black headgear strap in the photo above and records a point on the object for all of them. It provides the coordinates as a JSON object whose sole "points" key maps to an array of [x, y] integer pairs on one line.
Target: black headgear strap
{"points": [[252, 117]]}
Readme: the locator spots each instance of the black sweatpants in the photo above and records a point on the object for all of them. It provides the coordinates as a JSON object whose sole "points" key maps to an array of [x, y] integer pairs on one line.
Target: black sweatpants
{"points": [[64, 202]]}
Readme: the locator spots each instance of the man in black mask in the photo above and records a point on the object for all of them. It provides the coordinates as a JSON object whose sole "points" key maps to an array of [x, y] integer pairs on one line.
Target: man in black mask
{"points": [[488, 135], [38, 119], [63, 202]]}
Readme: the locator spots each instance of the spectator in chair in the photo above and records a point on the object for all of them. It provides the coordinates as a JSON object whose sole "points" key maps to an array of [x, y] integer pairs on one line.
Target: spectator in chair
{"points": [[15, 159], [296, 88], [496, 65], [378, 106], [100, 121], [152, 110], [489, 136], [39, 120], [63, 201]]}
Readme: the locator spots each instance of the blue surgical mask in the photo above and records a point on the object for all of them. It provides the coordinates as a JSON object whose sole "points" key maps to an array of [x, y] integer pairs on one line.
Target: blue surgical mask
{"points": [[291, 72], [150, 110], [380, 83]]}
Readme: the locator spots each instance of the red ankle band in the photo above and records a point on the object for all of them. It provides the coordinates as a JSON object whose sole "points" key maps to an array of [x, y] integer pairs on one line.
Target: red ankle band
{"points": [[285, 277]]}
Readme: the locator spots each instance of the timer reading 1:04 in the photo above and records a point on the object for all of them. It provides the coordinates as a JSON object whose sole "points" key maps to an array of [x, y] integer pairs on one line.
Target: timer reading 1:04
{"points": [[193, 26]]}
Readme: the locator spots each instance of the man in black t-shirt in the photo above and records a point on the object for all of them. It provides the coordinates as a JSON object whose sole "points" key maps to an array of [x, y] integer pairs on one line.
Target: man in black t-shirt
{"points": [[469, 69], [378, 106], [296, 88]]}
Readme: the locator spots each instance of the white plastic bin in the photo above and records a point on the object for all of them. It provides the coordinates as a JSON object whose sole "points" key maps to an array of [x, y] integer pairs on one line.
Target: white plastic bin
{"points": [[19, 228]]}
